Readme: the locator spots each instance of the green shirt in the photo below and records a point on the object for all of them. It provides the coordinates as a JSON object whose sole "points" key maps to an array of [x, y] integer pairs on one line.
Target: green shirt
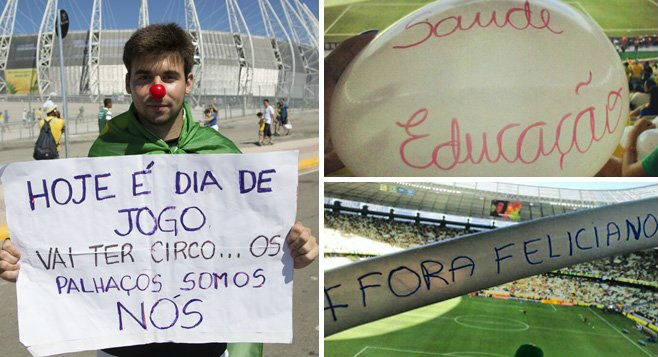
{"points": [[102, 118], [125, 135], [650, 164]]}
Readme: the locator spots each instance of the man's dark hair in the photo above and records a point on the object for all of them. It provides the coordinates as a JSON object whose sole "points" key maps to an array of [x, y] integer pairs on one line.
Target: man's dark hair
{"points": [[266, 100], [158, 40], [107, 101]]}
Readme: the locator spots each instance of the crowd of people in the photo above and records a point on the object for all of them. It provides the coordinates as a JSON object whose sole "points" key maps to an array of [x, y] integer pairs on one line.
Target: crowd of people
{"points": [[272, 122], [270, 117], [635, 43], [641, 266], [624, 298], [398, 234]]}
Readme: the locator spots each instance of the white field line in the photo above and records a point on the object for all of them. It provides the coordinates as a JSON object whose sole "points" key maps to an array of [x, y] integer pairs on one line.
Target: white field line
{"points": [[621, 333], [338, 18], [554, 309], [584, 9], [408, 351], [420, 352], [360, 352], [531, 327], [573, 331], [653, 2]]}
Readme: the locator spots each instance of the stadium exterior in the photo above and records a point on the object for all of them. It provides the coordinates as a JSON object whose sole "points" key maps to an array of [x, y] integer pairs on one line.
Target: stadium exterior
{"points": [[473, 200], [221, 69]]}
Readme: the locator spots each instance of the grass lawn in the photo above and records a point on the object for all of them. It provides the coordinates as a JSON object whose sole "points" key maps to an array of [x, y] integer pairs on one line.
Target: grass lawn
{"points": [[486, 327], [345, 18]]}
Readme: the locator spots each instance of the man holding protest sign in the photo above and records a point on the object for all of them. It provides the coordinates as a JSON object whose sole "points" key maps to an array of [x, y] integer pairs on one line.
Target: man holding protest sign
{"points": [[159, 59]]}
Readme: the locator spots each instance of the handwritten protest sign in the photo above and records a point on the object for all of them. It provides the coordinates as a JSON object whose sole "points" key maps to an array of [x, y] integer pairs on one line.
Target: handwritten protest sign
{"points": [[482, 88], [375, 288], [129, 250]]}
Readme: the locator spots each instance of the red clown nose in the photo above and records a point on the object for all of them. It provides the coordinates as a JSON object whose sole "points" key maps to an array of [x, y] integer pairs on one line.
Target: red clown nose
{"points": [[157, 91]]}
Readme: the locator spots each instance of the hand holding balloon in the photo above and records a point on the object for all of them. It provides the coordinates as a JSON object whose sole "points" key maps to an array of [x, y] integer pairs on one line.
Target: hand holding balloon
{"points": [[631, 166], [640, 126], [334, 65], [414, 102]]}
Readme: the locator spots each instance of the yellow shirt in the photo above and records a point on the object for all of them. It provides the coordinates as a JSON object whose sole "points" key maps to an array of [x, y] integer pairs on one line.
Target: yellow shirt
{"points": [[636, 70], [56, 126]]}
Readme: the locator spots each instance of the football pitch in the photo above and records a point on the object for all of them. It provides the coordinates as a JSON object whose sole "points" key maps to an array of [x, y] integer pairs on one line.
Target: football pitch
{"points": [[485, 327], [346, 18]]}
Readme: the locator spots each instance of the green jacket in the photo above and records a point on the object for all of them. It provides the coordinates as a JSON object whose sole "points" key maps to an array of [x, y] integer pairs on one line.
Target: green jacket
{"points": [[650, 164], [124, 135]]}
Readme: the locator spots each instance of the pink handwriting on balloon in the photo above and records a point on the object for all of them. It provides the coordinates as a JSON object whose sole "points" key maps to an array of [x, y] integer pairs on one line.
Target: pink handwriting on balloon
{"points": [[458, 149], [449, 25]]}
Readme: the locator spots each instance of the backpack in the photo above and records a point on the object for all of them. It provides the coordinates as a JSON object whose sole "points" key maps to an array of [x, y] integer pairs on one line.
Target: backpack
{"points": [[45, 148]]}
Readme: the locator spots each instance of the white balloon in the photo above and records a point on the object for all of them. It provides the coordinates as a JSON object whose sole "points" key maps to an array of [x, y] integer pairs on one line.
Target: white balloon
{"points": [[624, 142], [647, 142], [482, 88]]}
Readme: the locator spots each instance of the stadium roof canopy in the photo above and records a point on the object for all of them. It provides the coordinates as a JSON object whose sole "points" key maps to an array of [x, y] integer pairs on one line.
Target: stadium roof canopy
{"points": [[474, 199]]}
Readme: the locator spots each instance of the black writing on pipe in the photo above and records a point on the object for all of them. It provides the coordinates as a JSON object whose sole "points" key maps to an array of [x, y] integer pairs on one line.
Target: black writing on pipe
{"points": [[578, 240]]}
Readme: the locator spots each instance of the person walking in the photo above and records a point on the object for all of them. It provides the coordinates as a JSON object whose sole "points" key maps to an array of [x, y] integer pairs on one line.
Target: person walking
{"points": [[104, 114], [268, 115], [54, 119]]}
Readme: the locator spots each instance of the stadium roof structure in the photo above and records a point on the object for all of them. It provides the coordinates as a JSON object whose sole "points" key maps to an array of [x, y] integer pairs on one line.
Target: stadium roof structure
{"points": [[263, 65], [474, 199]]}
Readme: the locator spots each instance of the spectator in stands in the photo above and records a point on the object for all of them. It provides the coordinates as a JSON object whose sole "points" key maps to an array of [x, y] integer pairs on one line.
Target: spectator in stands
{"points": [[641, 99], [651, 108], [647, 71], [635, 77], [396, 233]]}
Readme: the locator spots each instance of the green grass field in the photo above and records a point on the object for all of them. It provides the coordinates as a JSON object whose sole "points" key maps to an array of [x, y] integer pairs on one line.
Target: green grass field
{"points": [[486, 327], [345, 18]]}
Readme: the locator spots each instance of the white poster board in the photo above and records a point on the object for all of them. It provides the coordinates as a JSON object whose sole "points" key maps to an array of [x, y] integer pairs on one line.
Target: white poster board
{"points": [[129, 250]]}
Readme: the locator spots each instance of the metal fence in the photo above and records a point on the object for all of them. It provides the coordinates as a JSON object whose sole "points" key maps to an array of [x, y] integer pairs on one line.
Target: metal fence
{"points": [[82, 112]]}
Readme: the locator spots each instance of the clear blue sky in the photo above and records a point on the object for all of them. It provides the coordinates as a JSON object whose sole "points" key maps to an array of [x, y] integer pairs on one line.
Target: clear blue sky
{"points": [[124, 14]]}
